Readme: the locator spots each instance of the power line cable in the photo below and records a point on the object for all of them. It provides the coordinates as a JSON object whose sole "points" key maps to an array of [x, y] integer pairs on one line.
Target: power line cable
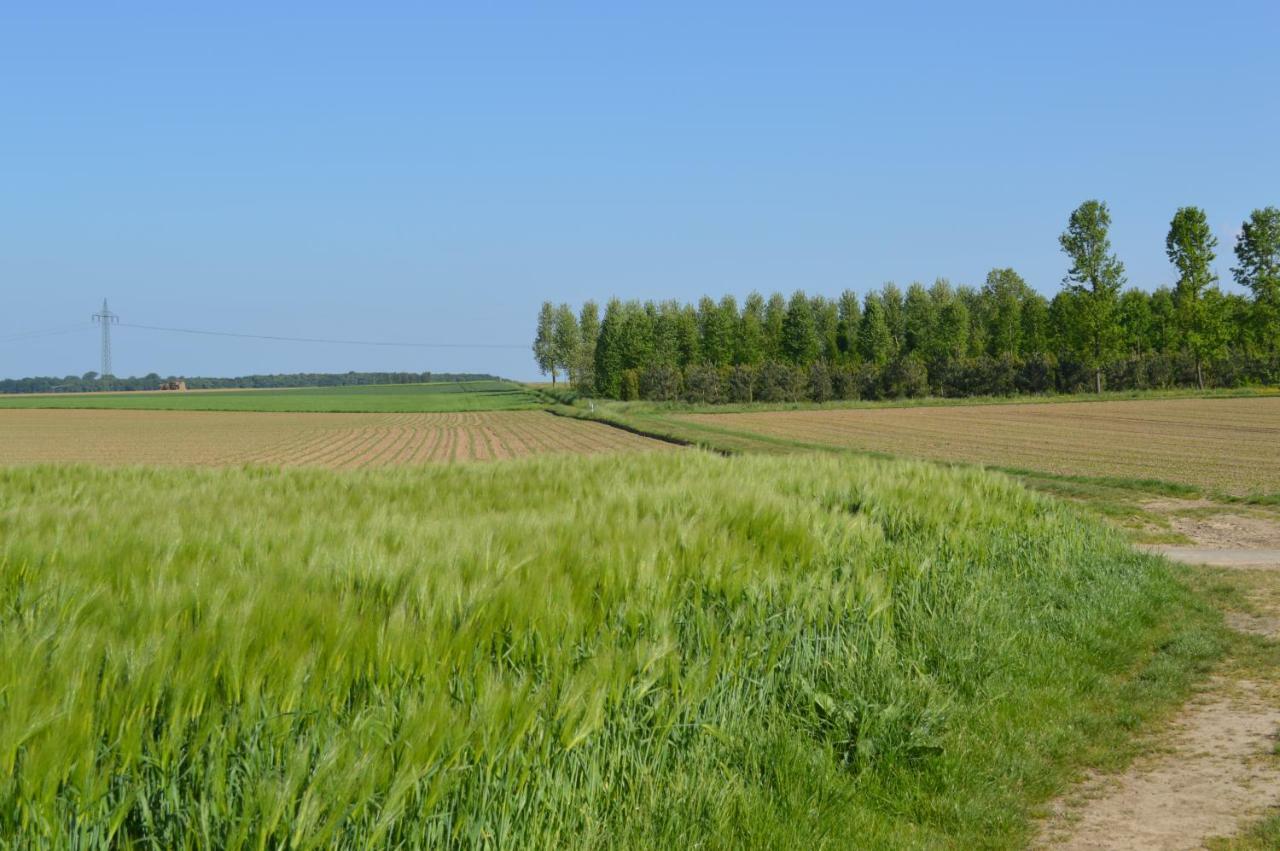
{"points": [[48, 332], [324, 340]]}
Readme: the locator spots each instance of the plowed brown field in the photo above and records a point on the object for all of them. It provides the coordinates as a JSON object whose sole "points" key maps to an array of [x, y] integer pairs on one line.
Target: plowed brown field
{"points": [[324, 440], [1227, 444]]}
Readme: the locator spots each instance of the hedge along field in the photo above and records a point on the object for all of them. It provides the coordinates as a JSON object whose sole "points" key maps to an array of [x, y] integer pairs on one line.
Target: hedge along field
{"points": [[669, 650], [387, 398], [1224, 444], [319, 440]]}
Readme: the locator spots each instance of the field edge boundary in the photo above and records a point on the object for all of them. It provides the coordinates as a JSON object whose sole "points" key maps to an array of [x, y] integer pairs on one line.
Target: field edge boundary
{"points": [[572, 414]]}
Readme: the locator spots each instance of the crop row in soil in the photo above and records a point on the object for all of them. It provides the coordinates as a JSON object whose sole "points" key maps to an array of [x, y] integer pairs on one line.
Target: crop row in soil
{"points": [[327, 440]]}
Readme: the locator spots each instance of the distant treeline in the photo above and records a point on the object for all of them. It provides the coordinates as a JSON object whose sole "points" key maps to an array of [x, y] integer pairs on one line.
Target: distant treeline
{"points": [[91, 381], [1000, 339]]}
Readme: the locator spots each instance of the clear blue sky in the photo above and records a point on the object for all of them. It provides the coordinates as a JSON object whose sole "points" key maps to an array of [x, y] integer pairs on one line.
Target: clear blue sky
{"points": [[432, 172]]}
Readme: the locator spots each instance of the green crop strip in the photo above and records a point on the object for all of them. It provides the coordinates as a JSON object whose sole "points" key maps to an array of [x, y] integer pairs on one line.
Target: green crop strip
{"points": [[684, 650]]}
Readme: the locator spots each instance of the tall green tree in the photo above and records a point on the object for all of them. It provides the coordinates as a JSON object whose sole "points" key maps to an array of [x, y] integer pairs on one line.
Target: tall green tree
{"points": [[637, 336], [750, 343], [799, 332], [1003, 295], [826, 319], [848, 320], [975, 309], [609, 351], [875, 341], [565, 340], [688, 339], [1096, 276], [951, 332], [895, 315], [1134, 316], [729, 319], [918, 319], [1190, 246], [665, 318], [1035, 324], [544, 351], [1163, 330], [588, 334], [950, 337], [1063, 324], [1258, 268], [775, 313]]}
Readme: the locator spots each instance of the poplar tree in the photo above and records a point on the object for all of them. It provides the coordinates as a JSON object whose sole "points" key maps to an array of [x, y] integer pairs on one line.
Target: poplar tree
{"points": [[951, 340], [1258, 256], [1190, 246], [1003, 295], [799, 333], [665, 319], [564, 341], [687, 342], [1095, 277], [875, 343], [729, 318], [826, 318], [750, 342], [1134, 318], [544, 341], [609, 354], [775, 311], [1035, 324], [918, 319], [715, 334], [894, 314], [588, 334], [849, 318]]}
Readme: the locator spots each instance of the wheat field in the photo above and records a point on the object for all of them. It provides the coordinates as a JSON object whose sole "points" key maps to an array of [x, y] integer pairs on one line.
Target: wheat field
{"points": [[635, 651]]}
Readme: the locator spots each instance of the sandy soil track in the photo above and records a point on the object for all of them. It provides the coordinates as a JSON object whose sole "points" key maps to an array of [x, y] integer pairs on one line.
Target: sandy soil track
{"points": [[1214, 771], [322, 440]]}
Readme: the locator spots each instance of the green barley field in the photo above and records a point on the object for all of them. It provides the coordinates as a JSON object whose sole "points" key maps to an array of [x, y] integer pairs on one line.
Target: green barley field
{"points": [[678, 650], [440, 396]]}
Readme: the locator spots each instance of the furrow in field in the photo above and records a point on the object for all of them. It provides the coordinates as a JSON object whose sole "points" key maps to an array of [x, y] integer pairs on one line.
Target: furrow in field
{"points": [[287, 439], [1223, 443]]}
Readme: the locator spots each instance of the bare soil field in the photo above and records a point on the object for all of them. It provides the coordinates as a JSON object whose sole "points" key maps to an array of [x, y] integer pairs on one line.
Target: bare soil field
{"points": [[1232, 444], [291, 439]]}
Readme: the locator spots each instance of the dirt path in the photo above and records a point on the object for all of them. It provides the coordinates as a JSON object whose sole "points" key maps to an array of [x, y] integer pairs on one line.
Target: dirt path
{"points": [[1214, 777], [1268, 559], [1214, 771]]}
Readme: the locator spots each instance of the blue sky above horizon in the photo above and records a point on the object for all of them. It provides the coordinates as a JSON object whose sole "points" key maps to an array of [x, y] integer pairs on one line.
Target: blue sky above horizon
{"points": [[432, 172]]}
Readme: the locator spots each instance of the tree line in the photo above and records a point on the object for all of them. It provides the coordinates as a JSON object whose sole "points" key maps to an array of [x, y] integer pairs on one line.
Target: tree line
{"points": [[91, 381], [998, 339]]}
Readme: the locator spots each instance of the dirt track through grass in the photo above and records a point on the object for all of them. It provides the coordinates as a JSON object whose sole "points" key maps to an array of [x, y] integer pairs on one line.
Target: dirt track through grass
{"points": [[1226, 444], [322, 440]]}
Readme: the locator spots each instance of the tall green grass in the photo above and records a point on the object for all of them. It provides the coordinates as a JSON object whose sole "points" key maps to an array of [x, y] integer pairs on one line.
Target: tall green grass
{"points": [[675, 651], [440, 396]]}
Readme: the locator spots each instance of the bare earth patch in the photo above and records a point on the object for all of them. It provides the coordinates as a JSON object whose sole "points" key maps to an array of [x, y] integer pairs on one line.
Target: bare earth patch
{"points": [[1219, 536], [298, 439], [1225, 444], [1216, 776], [1230, 531]]}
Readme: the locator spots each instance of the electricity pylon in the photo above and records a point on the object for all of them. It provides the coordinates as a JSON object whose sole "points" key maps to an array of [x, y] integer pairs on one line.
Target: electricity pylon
{"points": [[106, 319]]}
